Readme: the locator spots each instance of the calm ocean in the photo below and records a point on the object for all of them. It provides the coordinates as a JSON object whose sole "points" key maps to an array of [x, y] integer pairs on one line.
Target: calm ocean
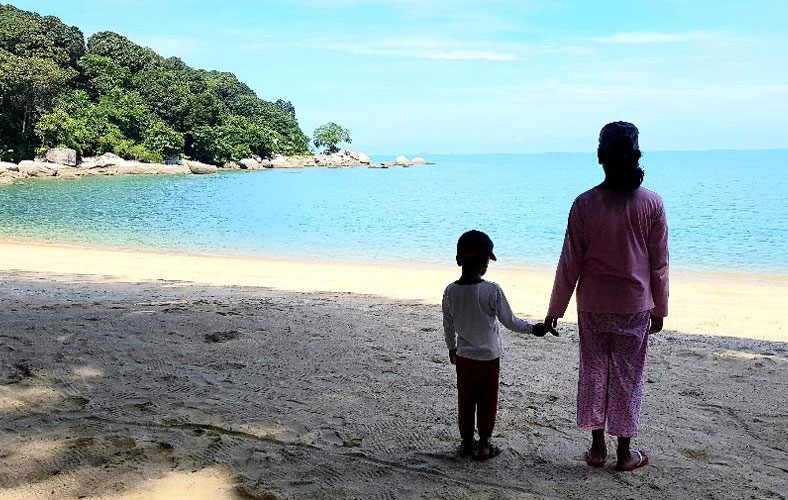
{"points": [[727, 210]]}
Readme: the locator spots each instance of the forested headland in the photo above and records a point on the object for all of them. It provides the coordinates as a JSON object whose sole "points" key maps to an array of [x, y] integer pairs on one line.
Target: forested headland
{"points": [[108, 94]]}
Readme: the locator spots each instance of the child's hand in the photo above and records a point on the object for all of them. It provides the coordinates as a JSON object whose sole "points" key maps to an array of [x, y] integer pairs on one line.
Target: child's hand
{"points": [[453, 356], [540, 329]]}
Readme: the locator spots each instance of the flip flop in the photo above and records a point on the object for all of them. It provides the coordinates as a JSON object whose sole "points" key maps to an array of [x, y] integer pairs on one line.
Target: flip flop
{"points": [[494, 452], [587, 458], [466, 449], [643, 461]]}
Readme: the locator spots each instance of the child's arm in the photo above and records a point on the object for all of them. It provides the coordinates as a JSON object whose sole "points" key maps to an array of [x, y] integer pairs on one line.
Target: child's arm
{"points": [[507, 318], [448, 329]]}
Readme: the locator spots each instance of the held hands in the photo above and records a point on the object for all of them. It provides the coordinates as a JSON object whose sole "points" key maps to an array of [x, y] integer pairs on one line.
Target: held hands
{"points": [[540, 329]]}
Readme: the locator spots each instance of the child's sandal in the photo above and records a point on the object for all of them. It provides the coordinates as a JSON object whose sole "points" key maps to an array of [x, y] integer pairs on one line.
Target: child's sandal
{"points": [[492, 451]]}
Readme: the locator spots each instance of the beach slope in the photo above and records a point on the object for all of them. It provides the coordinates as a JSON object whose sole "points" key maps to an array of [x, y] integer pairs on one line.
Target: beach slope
{"points": [[166, 389]]}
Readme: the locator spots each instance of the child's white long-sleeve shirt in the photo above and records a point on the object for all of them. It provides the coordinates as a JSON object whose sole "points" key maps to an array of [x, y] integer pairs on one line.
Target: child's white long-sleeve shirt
{"points": [[470, 319]]}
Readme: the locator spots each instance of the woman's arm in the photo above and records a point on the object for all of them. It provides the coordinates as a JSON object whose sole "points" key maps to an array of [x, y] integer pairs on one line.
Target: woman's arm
{"points": [[568, 271], [658, 262]]}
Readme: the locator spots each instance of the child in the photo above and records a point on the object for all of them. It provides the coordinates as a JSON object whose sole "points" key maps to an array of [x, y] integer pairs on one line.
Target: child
{"points": [[470, 308]]}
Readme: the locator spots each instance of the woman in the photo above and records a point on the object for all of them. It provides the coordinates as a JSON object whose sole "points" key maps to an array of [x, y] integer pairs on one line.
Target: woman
{"points": [[616, 252]]}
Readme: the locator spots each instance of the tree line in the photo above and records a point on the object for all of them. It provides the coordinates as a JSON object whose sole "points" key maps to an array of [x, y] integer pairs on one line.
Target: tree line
{"points": [[111, 95]]}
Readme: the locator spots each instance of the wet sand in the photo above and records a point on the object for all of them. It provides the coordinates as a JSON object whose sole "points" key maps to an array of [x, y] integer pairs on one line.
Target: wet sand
{"points": [[151, 390]]}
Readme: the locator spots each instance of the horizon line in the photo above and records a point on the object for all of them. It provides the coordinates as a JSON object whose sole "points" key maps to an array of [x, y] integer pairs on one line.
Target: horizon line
{"points": [[711, 150]]}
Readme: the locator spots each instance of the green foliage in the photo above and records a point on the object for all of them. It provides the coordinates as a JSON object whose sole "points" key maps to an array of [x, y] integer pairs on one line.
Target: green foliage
{"points": [[29, 86], [123, 51], [119, 123], [27, 34], [163, 140], [234, 138], [286, 106], [329, 135], [99, 75], [114, 95]]}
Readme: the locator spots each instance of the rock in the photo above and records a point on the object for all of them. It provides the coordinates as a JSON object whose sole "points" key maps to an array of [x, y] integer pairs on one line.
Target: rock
{"points": [[279, 161], [138, 168], [419, 161], [197, 167], [36, 169], [250, 164], [62, 156], [5, 180], [363, 158], [109, 159], [231, 165], [402, 160], [5, 166], [87, 165], [68, 173]]}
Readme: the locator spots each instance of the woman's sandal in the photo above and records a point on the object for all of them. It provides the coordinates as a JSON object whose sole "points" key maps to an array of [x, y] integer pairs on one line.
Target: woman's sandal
{"points": [[643, 461], [593, 463], [492, 451]]}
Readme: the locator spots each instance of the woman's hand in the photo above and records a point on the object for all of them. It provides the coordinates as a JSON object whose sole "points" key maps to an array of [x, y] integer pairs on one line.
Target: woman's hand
{"points": [[551, 322], [656, 324]]}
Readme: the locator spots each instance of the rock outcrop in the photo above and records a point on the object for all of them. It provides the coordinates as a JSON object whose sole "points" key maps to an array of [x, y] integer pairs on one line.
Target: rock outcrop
{"points": [[197, 167], [29, 168], [108, 159], [62, 156]]}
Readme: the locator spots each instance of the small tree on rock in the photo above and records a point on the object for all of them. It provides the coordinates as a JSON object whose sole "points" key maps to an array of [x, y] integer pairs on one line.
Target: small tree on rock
{"points": [[329, 135]]}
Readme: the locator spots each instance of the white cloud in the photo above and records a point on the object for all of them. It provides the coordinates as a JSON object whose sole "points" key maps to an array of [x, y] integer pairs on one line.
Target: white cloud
{"points": [[643, 38]]}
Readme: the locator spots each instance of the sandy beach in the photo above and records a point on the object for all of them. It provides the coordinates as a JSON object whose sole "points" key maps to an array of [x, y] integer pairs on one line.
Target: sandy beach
{"points": [[730, 304], [138, 375]]}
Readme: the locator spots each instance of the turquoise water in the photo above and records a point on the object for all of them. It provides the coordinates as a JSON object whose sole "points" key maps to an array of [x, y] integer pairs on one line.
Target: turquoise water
{"points": [[727, 210]]}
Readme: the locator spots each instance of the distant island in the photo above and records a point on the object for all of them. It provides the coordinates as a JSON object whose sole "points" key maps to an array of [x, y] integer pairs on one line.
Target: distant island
{"points": [[107, 106]]}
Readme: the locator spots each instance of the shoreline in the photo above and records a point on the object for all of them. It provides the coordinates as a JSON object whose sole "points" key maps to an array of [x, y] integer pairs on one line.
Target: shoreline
{"points": [[747, 305]]}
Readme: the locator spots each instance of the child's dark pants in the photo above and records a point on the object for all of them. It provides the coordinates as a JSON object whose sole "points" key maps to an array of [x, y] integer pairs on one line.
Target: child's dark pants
{"points": [[477, 395]]}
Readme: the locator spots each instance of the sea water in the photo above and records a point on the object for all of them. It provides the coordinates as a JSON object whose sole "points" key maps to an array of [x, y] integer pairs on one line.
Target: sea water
{"points": [[727, 210]]}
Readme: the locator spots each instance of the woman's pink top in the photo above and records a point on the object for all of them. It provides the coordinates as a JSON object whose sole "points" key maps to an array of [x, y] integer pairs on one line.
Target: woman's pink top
{"points": [[616, 252]]}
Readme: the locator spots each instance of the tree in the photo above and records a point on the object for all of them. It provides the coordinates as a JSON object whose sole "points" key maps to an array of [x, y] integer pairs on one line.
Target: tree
{"points": [[29, 87], [99, 75], [286, 106], [29, 35], [112, 94], [123, 51], [329, 135], [234, 138]]}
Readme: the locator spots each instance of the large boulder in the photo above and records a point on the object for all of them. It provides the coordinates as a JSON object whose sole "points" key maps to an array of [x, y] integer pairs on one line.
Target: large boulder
{"points": [[6, 166], [108, 159], [197, 167], [419, 161], [363, 158], [279, 161], [402, 160], [62, 156], [250, 164], [29, 168]]}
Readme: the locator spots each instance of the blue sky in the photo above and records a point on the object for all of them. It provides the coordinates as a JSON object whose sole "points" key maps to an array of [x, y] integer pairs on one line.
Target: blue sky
{"points": [[462, 76]]}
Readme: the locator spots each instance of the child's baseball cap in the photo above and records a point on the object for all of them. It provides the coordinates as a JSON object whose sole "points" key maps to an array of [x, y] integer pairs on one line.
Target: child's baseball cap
{"points": [[475, 244]]}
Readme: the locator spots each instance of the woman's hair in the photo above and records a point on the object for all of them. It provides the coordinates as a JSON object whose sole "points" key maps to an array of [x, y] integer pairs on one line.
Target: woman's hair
{"points": [[622, 169], [619, 154]]}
